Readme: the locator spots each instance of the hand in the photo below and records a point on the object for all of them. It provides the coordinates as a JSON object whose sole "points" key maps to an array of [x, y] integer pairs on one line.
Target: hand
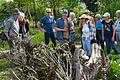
{"points": [[42, 30], [113, 39], [103, 38], [65, 29]]}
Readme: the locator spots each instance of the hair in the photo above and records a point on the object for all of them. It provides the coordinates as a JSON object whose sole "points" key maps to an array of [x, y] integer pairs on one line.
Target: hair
{"points": [[72, 14], [22, 14]]}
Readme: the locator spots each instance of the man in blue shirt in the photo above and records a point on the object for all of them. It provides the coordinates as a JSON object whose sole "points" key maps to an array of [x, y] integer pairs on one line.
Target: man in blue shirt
{"points": [[48, 25], [98, 24], [60, 27]]}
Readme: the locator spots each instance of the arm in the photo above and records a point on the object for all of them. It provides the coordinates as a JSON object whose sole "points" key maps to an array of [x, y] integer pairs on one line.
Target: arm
{"points": [[41, 29], [57, 28], [113, 36], [103, 32], [7, 29]]}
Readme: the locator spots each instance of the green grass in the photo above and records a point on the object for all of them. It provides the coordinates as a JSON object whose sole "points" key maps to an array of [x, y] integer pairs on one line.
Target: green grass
{"points": [[4, 68], [3, 65]]}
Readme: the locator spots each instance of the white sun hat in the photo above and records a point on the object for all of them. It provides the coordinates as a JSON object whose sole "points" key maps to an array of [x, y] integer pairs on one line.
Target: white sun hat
{"points": [[107, 14], [118, 12], [72, 14], [98, 16]]}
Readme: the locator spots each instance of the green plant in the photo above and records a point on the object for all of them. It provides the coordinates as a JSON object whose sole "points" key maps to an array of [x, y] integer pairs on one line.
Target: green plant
{"points": [[114, 68]]}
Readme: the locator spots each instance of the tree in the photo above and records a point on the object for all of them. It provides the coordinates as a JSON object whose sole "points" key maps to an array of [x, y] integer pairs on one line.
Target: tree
{"points": [[109, 6]]}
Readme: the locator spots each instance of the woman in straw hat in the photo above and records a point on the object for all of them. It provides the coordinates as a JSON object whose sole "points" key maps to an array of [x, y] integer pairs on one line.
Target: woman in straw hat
{"points": [[84, 26]]}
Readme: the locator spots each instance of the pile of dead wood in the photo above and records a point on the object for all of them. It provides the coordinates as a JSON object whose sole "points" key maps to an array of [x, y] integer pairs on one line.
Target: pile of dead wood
{"points": [[40, 62]]}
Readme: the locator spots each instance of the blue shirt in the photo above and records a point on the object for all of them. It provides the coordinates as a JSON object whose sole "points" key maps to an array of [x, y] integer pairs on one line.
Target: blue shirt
{"points": [[60, 24], [98, 24], [48, 23]]}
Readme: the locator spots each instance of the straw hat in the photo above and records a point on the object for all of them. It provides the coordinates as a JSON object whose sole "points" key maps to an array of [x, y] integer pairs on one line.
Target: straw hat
{"points": [[48, 10], [83, 16], [86, 12]]}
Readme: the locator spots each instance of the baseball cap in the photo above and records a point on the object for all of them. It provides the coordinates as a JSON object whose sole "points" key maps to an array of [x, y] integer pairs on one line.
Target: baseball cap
{"points": [[106, 14], [65, 11]]}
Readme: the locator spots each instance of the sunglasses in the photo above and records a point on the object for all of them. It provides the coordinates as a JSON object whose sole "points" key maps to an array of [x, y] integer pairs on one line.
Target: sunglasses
{"points": [[48, 12]]}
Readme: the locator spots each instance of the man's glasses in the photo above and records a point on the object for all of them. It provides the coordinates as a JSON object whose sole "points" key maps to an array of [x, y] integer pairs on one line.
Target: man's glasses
{"points": [[48, 12]]}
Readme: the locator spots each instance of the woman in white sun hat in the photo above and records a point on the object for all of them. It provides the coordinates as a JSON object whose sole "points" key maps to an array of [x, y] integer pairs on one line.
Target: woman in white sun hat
{"points": [[98, 25], [108, 31]]}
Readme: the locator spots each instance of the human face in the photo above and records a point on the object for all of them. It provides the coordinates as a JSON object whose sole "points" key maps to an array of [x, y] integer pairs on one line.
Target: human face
{"points": [[72, 17], [118, 15], [48, 13], [64, 15], [106, 18], [20, 18]]}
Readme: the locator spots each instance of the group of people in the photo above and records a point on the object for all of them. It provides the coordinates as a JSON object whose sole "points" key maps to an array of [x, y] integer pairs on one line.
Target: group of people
{"points": [[63, 26], [101, 29]]}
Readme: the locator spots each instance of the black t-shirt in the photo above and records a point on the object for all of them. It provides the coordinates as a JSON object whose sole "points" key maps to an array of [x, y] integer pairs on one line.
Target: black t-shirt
{"points": [[108, 29]]}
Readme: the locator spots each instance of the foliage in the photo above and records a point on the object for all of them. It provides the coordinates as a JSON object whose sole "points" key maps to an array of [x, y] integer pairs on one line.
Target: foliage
{"points": [[114, 69], [37, 36], [3, 64], [109, 6], [92, 5]]}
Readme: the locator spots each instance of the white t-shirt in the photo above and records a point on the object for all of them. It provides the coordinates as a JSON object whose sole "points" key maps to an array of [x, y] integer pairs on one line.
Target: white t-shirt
{"points": [[85, 30]]}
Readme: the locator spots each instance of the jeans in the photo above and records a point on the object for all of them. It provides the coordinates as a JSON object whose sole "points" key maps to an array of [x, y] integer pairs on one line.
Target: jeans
{"points": [[99, 38], [50, 35], [72, 37], [118, 41], [109, 44], [86, 45]]}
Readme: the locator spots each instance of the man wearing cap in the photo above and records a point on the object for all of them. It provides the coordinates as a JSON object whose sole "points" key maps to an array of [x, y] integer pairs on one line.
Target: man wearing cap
{"points": [[62, 27], [48, 25], [117, 29], [98, 24], [109, 33], [12, 29]]}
